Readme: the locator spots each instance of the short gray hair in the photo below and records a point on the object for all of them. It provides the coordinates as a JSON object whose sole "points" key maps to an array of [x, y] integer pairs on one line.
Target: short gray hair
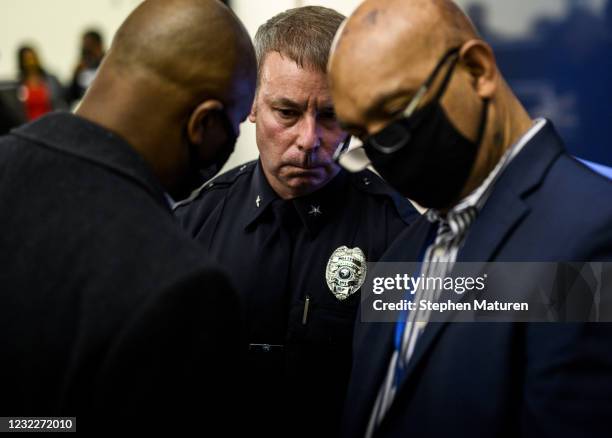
{"points": [[304, 35]]}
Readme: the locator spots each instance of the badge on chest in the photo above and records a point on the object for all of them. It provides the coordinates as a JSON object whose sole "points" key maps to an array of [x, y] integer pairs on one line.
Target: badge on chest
{"points": [[346, 271]]}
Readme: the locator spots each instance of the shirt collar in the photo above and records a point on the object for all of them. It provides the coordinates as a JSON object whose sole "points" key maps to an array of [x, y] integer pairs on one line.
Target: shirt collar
{"points": [[314, 209], [259, 197], [321, 206], [479, 196]]}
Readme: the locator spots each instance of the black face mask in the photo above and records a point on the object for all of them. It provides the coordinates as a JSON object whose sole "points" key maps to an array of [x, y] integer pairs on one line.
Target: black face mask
{"points": [[423, 155], [204, 170]]}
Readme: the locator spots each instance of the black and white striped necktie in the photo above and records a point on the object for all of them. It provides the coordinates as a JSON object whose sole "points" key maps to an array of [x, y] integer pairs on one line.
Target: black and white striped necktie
{"points": [[438, 261]]}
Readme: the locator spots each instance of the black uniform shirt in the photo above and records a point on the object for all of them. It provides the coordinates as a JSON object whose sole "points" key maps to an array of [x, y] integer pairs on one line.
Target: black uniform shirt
{"points": [[276, 252]]}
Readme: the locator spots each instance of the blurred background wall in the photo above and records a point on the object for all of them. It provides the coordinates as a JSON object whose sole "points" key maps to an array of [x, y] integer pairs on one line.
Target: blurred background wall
{"points": [[557, 54]]}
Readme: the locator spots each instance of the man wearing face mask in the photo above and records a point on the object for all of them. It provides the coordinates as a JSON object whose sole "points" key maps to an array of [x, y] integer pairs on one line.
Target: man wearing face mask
{"points": [[297, 232], [109, 309], [439, 123]]}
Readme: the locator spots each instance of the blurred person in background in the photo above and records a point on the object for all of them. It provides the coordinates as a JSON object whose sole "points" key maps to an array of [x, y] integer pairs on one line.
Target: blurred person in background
{"points": [[39, 91], [92, 53]]}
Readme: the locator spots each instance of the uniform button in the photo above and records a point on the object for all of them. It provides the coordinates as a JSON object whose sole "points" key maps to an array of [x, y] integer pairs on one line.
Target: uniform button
{"points": [[366, 181], [258, 201], [209, 185], [244, 166]]}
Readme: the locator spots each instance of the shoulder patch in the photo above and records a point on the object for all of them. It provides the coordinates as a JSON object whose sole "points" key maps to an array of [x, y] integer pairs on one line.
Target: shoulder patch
{"points": [[221, 181], [232, 175], [370, 182]]}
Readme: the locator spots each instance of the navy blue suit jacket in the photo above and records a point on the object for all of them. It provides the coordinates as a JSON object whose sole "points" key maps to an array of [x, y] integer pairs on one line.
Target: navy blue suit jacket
{"points": [[503, 379]]}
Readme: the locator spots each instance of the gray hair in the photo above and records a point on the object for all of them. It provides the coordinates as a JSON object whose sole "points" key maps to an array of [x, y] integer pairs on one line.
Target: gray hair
{"points": [[304, 35]]}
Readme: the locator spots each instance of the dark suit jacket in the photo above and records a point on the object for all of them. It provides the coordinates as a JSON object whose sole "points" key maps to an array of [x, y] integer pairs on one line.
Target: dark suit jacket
{"points": [[503, 379], [109, 310]]}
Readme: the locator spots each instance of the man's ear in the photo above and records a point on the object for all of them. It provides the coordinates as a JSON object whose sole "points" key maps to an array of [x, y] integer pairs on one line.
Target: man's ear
{"points": [[196, 124], [479, 60], [253, 113]]}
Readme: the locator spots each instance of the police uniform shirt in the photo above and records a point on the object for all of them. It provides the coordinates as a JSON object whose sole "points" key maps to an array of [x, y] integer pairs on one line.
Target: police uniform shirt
{"points": [[276, 252]]}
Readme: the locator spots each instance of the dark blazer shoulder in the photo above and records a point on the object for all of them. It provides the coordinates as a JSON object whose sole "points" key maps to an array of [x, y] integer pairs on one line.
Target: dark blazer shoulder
{"points": [[572, 198]]}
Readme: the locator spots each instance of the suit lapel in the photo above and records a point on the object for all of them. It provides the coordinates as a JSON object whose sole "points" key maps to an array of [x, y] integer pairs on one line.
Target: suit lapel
{"points": [[479, 250], [501, 215], [506, 208], [373, 344], [492, 226]]}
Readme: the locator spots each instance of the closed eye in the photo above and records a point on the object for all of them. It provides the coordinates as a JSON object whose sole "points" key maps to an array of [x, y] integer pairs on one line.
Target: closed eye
{"points": [[286, 113]]}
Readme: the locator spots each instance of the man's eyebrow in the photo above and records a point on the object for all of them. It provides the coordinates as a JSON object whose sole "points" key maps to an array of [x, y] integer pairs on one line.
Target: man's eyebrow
{"points": [[288, 103], [283, 101]]}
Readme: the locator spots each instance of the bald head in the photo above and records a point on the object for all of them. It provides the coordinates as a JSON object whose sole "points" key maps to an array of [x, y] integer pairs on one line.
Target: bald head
{"points": [[432, 24], [435, 21], [389, 49], [197, 46], [176, 83], [409, 30]]}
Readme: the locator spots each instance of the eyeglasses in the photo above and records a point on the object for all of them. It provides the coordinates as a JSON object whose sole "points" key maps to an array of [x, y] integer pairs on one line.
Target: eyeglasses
{"points": [[395, 136]]}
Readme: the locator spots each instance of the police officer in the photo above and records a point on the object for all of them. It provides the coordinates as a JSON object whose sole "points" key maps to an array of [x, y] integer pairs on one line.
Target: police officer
{"points": [[296, 232]]}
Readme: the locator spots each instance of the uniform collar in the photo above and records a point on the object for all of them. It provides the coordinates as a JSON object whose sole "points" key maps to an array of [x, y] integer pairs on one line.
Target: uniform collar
{"points": [[314, 210], [86, 140], [259, 197], [320, 207]]}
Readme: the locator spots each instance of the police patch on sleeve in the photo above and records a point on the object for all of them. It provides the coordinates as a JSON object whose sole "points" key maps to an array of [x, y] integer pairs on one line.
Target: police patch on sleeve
{"points": [[346, 271]]}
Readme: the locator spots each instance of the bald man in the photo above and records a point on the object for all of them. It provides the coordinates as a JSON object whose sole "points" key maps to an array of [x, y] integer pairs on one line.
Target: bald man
{"points": [[108, 308], [416, 83]]}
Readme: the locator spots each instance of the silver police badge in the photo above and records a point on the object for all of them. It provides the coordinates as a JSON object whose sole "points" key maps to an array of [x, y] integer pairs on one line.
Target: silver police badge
{"points": [[346, 271]]}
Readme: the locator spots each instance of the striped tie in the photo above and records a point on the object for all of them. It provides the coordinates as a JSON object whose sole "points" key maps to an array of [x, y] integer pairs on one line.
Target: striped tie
{"points": [[438, 261]]}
